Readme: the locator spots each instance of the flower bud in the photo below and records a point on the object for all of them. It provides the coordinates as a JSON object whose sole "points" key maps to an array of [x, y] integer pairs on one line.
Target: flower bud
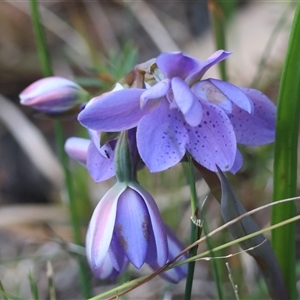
{"points": [[54, 95]]}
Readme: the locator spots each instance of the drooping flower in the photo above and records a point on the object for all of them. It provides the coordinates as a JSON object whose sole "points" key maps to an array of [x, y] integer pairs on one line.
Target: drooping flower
{"points": [[183, 113], [126, 222], [108, 271], [54, 95]]}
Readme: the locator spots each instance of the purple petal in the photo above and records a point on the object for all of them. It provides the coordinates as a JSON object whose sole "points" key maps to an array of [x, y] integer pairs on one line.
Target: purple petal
{"points": [[100, 167], [161, 138], [222, 94], [117, 255], [175, 247], [189, 105], [115, 111], [155, 92], [158, 228], [259, 128], [77, 149], [213, 142], [207, 64], [177, 65], [235, 94], [204, 90], [132, 227], [106, 270], [101, 226], [238, 162]]}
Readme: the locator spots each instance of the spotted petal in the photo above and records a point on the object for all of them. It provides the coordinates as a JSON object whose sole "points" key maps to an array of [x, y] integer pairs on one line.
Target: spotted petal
{"points": [[213, 142], [116, 111], [161, 138], [259, 128], [177, 64]]}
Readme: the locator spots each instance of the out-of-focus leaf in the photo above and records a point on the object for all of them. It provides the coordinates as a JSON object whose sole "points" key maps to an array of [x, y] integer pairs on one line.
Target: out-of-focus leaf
{"points": [[232, 208], [286, 158]]}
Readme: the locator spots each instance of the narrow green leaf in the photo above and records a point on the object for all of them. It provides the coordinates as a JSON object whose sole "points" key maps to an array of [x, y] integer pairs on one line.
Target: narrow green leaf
{"points": [[3, 291], [285, 158], [232, 208], [33, 287]]}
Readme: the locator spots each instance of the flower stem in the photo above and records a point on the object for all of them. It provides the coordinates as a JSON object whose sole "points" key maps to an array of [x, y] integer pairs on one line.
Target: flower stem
{"points": [[195, 232], [45, 62]]}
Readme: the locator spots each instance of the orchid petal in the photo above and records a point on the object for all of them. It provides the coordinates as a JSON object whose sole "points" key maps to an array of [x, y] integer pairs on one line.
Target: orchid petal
{"points": [[158, 228], [188, 104], [207, 64], [105, 270], [161, 138], [235, 94], [177, 65], [77, 149], [116, 254], [117, 111], [133, 226], [99, 166], [175, 247], [101, 226], [213, 142], [259, 128], [157, 91], [238, 162], [204, 90]]}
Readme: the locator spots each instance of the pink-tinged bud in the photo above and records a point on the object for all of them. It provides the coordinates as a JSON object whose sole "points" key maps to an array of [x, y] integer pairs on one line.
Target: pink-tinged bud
{"points": [[53, 95]]}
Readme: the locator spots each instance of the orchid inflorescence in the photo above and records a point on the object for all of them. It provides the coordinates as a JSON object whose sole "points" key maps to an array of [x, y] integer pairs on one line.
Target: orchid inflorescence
{"points": [[156, 114]]}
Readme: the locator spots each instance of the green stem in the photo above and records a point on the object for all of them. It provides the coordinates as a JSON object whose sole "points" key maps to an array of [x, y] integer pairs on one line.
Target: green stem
{"points": [[47, 71], [285, 158], [195, 232], [75, 223], [43, 53], [218, 22]]}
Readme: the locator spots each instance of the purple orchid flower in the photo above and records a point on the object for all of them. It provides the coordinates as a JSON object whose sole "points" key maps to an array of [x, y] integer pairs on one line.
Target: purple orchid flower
{"points": [[126, 223], [183, 113], [54, 95]]}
